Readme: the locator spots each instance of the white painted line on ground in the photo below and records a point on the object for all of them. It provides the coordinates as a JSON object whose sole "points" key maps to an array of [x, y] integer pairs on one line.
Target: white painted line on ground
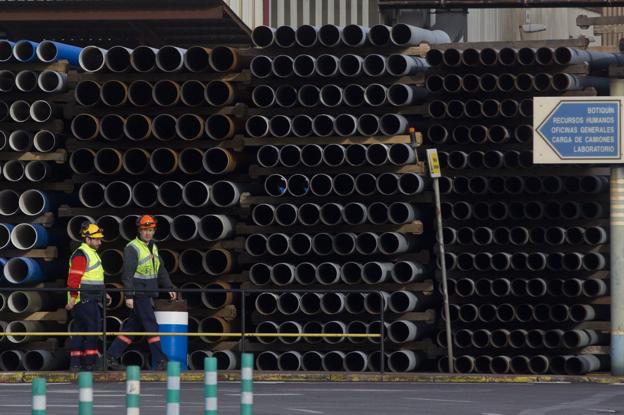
{"points": [[120, 394], [356, 390], [439, 400], [305, 411], [28, 385], [268, 394], [17, 405], [490, 413]]}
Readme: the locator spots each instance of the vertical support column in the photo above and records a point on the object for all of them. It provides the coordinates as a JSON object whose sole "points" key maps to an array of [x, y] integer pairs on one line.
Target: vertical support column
{"points": [[133, 390], [247, 362], [173, 388], [210, 385], [617, 256], [39, 396], [85, 400], [617, 271]]}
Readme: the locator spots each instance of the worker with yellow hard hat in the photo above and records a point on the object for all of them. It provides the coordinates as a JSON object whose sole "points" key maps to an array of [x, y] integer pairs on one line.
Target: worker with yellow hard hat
{"points": [[143, 274], [86, 271]]}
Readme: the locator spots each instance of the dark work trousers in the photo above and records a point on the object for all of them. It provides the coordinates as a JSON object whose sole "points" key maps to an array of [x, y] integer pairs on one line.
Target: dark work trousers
{"points": [[87, 317], [142, 318]]}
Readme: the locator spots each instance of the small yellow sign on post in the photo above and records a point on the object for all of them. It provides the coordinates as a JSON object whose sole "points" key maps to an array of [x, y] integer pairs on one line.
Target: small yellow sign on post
{"points": [[434, 163]]}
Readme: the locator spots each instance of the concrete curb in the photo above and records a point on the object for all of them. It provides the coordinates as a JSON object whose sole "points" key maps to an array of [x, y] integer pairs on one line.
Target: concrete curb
{"points": [[270, 376]]}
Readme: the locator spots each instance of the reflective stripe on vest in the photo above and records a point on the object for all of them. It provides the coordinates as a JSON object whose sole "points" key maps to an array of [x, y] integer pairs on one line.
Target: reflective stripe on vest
{"points": [[94, 273], [148, 262]]}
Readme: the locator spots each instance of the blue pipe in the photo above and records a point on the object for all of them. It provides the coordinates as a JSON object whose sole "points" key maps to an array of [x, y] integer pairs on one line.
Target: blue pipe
{"points": [[5, 235], [29, 236], [6, 50], [50, 51], [3, 262], [34, 202], [25, 50], [23, 271]]}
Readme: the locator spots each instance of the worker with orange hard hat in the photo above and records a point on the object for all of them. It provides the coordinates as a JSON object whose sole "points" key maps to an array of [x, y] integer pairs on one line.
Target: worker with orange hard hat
{"points": [[143, 274]]}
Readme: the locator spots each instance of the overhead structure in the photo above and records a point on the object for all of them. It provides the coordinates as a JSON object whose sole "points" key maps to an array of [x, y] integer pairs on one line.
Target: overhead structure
{"points": [[114, 22], [457, 4]]}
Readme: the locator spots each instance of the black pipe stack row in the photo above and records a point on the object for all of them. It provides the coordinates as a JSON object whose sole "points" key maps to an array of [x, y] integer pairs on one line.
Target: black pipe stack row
{"points": [[341, 214], [527, 245], [32, 95], [152, 134]]}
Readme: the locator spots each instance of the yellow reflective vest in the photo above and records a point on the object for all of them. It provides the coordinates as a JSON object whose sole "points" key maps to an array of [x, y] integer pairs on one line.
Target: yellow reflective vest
{"points": [[93, 276]]}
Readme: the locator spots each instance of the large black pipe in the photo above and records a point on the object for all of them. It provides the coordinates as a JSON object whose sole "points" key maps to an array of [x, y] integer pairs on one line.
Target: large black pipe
{"points": [[327, 66], [355, 35], [285, 36]]}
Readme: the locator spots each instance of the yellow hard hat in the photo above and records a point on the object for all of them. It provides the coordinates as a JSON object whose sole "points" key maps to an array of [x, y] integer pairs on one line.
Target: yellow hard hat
{"points": [[91, 230]]}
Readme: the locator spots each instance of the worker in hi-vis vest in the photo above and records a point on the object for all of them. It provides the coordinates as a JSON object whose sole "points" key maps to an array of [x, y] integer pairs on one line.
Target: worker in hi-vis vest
{"points": [[143, 274], [86, 271]]}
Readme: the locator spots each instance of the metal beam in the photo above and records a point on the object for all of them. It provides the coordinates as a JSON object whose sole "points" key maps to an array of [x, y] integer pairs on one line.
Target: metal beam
{"points": [[148, 14], [605, 30], [447, 4], [584, 22], [581, 42]]}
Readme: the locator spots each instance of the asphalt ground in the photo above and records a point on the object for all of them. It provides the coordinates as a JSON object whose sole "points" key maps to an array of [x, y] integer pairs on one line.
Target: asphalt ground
{"points": [[271, 398]]}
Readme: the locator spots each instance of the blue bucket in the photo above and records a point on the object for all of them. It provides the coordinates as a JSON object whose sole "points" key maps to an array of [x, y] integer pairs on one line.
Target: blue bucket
{"points": [[174, 347]]}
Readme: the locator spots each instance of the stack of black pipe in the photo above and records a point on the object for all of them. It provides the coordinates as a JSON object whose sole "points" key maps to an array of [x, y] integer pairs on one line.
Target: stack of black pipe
{"points": [[152, 134], [527, 244], [32, 95], [332, 110]]}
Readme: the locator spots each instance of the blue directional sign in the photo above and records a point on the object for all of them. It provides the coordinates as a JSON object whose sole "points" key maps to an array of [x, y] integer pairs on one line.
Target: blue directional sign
{"points": [[583, 129]]}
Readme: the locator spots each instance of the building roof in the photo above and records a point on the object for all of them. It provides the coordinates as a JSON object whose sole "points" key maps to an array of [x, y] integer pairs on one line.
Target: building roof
{"points": [[128, 22]]}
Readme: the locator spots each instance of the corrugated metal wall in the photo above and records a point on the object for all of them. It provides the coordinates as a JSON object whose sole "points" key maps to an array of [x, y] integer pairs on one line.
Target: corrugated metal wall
{"points": [[612, 39], [319, 12], [298, 12], [250, 11], [503, 24]]}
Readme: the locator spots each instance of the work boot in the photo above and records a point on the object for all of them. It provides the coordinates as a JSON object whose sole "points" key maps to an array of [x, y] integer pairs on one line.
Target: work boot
{"points": [[161, 365], [114, 364]]}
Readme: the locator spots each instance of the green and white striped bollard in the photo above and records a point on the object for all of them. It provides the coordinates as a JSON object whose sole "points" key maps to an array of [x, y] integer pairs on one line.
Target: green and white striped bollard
{"points": [[173, 388], [39, 396], [210, 385], [133, 390], [247, 362], [85, 403]]}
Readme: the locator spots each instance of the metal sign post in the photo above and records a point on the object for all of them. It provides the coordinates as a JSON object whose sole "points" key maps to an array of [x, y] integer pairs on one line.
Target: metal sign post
{"points": [[436, 173]]}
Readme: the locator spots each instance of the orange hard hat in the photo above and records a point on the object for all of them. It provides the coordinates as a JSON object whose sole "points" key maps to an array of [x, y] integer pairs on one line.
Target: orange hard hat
{"points": [[146, 222]]}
